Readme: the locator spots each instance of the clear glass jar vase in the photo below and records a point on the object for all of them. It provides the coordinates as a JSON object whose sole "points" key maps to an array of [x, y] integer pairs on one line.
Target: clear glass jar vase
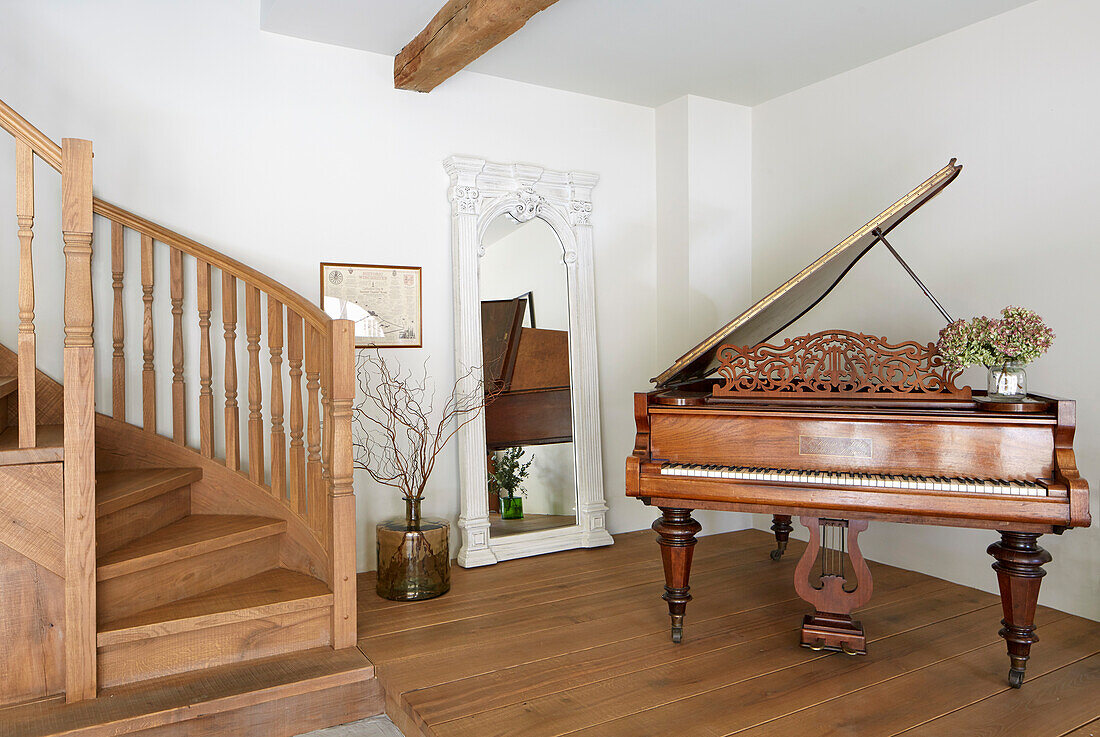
{"points": [[1007, 381], [414, 560]]}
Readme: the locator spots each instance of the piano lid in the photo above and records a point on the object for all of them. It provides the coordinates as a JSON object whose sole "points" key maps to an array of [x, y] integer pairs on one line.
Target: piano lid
{"points": [[799, 294]]}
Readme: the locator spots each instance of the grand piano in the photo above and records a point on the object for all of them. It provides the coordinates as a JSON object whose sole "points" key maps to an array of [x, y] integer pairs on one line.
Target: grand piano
{"points": [[843, 429]]}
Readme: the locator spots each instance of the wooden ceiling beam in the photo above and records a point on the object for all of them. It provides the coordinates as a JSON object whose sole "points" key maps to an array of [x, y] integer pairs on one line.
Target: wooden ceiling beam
{"points": [[460, 32]]}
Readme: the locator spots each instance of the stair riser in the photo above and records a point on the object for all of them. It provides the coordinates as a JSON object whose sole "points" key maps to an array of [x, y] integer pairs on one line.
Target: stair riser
{"points": [[204, 648], [118, 528], [125, 595]]}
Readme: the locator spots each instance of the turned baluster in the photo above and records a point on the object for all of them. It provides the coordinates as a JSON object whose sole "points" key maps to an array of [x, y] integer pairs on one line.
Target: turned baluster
{"points": [[255, 391], [296, 469], [148, 372], [24, 211], [314, 480], [206, 367], [278, 434], [179, 398], [232, 412], [118, 326], [327, 435]]}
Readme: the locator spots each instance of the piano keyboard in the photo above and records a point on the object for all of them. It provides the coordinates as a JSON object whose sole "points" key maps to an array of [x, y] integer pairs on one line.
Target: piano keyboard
{"points": [[878, 481]]}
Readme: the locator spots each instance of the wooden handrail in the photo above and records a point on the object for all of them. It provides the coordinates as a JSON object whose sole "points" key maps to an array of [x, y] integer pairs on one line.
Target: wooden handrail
{"points": [[50, 152], [17, 125], [311, 312]]}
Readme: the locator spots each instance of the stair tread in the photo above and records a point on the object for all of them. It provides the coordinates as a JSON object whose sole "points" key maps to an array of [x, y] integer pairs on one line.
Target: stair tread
{"points": [[172, 699], [8, 384], [50, 446], [190, 536], [275, 591], [116, 490]]}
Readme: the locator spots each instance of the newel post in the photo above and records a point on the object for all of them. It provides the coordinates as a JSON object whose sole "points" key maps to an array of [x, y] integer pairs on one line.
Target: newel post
{"points": [[342, 507], [79, 408]]}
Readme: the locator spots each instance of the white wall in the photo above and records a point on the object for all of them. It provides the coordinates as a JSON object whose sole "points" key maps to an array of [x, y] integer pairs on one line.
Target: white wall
{"points": [[704, 232], [1015, 98], [283, 153]]}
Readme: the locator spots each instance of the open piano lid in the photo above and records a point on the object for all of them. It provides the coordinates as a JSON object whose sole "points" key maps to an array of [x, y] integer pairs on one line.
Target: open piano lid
{"points": [[805, 289]]}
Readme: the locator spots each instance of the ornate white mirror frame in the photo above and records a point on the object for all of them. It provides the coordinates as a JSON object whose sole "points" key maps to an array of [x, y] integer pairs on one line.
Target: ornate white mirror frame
{"points": [[481, 191]]}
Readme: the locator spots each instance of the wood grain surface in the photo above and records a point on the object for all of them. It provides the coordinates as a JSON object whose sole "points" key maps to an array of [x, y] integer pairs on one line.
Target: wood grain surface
{"points": [[577, 643]]}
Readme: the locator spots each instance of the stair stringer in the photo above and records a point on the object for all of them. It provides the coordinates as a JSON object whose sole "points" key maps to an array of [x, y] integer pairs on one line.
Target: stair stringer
{"points": [[49, 395], [120, 445]]}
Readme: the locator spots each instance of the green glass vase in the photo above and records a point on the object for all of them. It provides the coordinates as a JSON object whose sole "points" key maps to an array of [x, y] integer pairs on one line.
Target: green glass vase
{"points": [[511, 507], [414, 561]]}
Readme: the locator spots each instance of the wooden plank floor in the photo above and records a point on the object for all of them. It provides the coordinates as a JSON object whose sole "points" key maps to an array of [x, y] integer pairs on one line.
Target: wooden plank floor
{"points": [[577, 643]]}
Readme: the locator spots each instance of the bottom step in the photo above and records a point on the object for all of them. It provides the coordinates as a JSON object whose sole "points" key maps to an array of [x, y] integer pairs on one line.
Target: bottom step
{"points": [[277, 697], [272, 613]]}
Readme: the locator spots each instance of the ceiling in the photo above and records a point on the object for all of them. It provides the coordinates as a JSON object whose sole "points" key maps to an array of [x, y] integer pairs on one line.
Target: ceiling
{"points": [[652, 51]]}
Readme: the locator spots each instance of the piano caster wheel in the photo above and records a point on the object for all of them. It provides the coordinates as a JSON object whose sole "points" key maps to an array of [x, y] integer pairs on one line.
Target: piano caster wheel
{"points": [[677, 634], [1015, 677], [780, 548]]}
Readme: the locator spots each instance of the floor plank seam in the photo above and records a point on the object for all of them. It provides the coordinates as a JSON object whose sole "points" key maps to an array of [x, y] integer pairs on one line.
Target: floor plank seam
{"points": [[891, 678], [998, 693], [794, 628], [658, 578], [801, 664], [758, 675], [602, 644], [1095, 721]]}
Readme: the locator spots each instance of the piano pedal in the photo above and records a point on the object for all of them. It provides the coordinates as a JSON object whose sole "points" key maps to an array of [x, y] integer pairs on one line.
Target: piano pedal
{"points": [[833, 632]]}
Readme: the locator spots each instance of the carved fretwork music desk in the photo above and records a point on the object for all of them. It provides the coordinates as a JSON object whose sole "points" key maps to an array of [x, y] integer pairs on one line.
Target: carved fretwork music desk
{"points": [[842, 429]]}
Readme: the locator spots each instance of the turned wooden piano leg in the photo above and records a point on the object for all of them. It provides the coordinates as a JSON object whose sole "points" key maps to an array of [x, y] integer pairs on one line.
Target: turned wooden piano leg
{"points": [[781, 526], [1019, 570], [676, 532]]}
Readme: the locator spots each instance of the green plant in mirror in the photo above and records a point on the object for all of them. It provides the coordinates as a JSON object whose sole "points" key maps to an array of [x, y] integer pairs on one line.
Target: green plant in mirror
{"points": [[506, 474]]}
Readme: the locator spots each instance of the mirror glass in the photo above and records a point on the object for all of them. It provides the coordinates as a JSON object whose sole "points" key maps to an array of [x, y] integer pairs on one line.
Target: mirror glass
{"points": [[530, 461]]}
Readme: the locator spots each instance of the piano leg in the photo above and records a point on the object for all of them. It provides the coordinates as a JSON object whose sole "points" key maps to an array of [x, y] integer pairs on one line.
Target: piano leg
{"points": [[676, 532], [1019, 567], [781, 526]]}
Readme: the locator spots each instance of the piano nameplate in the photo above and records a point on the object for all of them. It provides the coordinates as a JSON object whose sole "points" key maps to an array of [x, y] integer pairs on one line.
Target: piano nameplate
{"points": [[821, 445]]}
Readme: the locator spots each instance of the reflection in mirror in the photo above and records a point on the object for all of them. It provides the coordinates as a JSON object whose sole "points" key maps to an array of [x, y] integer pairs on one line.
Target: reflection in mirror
{"points": [[525, 346]]}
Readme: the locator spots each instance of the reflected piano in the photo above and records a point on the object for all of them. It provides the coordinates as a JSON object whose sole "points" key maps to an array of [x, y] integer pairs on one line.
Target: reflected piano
{"points": [[527, 369], [842, 429]]}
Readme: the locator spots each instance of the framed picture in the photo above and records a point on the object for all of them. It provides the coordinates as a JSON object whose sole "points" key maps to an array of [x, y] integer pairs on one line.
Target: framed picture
{"points": [[384, 302]]}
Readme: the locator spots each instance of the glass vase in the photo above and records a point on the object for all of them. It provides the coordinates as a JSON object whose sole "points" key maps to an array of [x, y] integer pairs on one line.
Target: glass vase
{"points": [[1007, 381], [511, 507], [414, 561]]}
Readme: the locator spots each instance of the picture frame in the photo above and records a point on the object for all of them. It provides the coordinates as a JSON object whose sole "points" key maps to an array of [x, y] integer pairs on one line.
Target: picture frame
{"points": [[384, 301]]}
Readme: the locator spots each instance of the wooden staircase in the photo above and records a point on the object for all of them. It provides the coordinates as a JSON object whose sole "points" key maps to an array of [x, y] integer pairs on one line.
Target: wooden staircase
{"points": [[149, 542]]}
